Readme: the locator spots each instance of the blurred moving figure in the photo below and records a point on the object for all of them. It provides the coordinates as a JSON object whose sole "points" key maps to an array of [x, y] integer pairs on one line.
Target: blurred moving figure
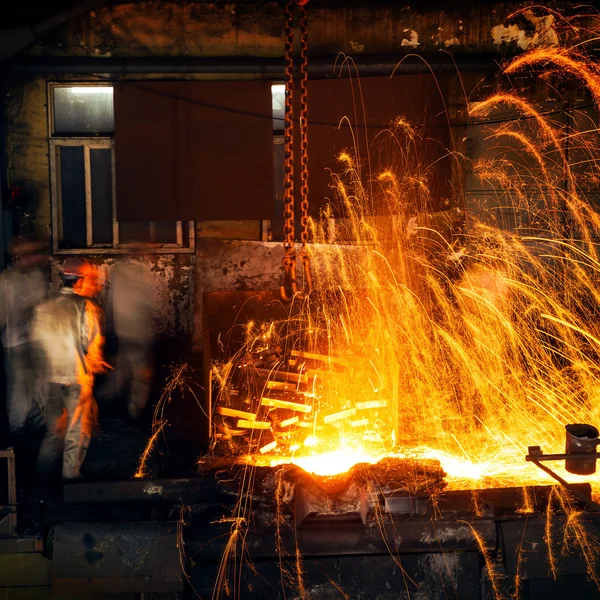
{"points": [[67, 330], [129, 301], [22, 287]]}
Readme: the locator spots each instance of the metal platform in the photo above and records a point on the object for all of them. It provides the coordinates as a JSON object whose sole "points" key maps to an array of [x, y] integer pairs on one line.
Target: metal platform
{"points": [[139, 536]]}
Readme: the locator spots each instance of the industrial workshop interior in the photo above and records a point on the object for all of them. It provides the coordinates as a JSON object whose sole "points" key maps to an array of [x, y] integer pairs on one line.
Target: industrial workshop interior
{"points": [[299, 300]]}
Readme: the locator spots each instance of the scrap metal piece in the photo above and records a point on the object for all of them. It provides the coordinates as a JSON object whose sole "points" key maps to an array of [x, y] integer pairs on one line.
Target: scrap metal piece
{"points": [[288, 422], [311, 503]]}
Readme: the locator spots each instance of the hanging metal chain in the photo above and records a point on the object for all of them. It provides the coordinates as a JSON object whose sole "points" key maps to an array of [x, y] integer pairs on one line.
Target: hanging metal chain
{"points": [[304, 255], [289, 287]]}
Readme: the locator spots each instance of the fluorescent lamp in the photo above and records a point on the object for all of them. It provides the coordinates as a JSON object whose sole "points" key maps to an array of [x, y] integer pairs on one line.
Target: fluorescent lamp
{"points": [[91, 89]]}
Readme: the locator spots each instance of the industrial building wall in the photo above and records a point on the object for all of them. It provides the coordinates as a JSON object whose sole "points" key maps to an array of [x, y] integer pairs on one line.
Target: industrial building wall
{"points": [[27, 156], [234, 255]]}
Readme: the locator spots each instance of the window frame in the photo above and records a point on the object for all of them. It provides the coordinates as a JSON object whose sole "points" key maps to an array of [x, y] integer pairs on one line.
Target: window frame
{"points": [[88, 143]]}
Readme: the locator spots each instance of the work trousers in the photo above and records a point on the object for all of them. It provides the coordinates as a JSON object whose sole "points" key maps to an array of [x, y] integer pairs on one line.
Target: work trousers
{"points": [[21, 379], [66, 437], [134, 365]]}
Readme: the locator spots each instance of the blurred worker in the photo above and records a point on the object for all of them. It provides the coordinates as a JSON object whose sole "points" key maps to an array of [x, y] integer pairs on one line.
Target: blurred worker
{"points": [[22, 287], [129, 302], [67, 330]]}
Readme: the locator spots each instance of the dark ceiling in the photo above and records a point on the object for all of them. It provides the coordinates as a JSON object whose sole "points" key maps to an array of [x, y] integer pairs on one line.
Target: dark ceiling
{"points": [[15, 13]]}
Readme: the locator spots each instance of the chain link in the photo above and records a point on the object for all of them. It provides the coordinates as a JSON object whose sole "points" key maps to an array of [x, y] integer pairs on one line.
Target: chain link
{"points": [[289, 258], [304, 221]]}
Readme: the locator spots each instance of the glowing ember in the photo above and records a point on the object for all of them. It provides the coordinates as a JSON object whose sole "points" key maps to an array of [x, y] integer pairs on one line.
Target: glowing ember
{"points": [[330, 463]]}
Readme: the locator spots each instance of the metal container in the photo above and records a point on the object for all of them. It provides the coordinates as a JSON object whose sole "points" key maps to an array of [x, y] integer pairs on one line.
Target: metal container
{"points": [[581, 439]]}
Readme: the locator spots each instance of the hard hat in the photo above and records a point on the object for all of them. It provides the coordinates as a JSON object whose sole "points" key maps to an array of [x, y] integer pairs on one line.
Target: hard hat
{"points": [[75, 268]]}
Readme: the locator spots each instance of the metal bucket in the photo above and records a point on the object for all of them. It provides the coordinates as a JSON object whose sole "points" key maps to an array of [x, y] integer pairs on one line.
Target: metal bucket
{"points": [[581, 439]]}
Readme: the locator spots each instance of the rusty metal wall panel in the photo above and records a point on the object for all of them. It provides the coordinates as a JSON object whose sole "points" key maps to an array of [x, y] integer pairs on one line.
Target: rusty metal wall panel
{"points": [[191, 150], [352, 115], [116, 557]]}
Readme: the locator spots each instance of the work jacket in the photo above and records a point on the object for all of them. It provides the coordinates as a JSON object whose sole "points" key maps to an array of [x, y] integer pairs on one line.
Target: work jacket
{"points": [[66, 329]]}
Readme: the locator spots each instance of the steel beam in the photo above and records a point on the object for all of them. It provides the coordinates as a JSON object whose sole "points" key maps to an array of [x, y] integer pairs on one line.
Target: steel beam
{"points": [[166, 490], [374, 65], [345, 538]]}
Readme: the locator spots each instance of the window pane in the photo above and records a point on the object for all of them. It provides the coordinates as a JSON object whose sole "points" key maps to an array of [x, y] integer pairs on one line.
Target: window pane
{"points": [[134, 232], [83, 110], [166, 232], [72, 192], [278, 96], [102, 217]]}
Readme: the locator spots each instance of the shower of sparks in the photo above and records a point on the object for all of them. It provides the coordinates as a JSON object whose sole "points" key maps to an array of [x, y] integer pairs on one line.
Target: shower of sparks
{"points": [[464, 348], [142, 471], [431, 337]]}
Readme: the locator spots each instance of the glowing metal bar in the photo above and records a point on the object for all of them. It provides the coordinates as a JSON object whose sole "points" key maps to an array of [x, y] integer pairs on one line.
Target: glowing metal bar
{"points": [[309, 425], [281, 375], [344, 414], [289, 422], [359, 423], [312, 373], [370, 404], [268, 447], [232, 412], [298, 406], [320, 357], [281, 385], [254, 424]]}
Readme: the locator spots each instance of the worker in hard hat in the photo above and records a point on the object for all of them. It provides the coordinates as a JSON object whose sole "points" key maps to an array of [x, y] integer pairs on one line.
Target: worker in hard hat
{"points": [[67, 330], [22, 287], [129, 305]]}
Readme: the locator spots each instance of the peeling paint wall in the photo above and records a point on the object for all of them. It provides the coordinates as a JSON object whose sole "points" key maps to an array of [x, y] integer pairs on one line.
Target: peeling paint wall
{"points": [[256, 29], [533, 31], [227, 265], [170, 279]]}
